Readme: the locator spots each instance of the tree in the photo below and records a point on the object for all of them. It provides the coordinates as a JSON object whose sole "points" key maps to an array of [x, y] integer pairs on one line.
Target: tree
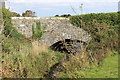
{"points": [[28, 13], [16, 14]]}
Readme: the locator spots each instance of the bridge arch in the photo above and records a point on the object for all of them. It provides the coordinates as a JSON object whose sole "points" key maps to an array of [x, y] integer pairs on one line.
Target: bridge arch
{"points": [[69, 46]]}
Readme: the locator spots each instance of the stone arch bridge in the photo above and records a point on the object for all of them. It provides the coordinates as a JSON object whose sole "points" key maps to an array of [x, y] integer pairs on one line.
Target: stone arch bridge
{"points": [[59, 34]]}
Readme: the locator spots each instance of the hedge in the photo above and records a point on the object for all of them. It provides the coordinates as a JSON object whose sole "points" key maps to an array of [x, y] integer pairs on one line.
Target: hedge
{"points": [[103, 28], [109, 18]]}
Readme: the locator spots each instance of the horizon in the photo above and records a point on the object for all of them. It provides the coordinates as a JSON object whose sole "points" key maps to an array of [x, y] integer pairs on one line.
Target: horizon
{"points": [[59, 7]]}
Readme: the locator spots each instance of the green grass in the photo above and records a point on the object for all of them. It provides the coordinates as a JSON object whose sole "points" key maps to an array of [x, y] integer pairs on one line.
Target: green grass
{"points": [[20, 62], [28, 65], [108, 69]]}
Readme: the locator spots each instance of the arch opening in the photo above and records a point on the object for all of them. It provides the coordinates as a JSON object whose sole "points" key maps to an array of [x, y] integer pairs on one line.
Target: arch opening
{"points": [[68, 46]]}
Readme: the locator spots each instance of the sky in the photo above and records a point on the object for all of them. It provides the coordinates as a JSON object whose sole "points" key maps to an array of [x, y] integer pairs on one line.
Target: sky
{"points": [[47, 8]]}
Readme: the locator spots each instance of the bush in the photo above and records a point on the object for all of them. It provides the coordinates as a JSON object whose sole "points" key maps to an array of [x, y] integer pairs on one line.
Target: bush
{"points": [[37, 32], [22, 62], [9, 30], [109, 18], [103, 30]]}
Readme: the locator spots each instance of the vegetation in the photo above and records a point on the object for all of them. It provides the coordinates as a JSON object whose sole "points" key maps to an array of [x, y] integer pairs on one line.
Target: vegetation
{"points": [[28, 13], [64, 15], [16, 14], [109, 18], [103, 30], [37, 31], [106, 70], [23, 58], [9, 30]]}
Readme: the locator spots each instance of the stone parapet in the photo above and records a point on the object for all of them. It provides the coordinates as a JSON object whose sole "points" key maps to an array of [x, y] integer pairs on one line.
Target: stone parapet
{"points": [[56, 29]]}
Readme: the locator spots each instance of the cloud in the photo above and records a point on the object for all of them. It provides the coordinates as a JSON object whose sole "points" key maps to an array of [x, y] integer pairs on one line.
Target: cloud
{"points": [[59, 1], [45, 8], [37, 1]]}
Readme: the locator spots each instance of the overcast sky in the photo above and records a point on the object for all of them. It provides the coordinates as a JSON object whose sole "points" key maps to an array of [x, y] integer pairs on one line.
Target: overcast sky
{"points": [[45, 8]]}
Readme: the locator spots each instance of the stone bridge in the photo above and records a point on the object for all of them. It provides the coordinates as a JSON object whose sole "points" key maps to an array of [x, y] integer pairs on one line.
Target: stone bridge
{"points": [[56, 30]]}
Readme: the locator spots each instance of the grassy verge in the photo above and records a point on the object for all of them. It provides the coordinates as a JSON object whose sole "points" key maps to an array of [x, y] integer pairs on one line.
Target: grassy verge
{"points": [[23, 59], [108, 69]]}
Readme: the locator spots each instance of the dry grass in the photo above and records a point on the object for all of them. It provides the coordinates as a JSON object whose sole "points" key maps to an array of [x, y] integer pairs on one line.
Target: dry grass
{"points": [[39, 46], [0, 71]]}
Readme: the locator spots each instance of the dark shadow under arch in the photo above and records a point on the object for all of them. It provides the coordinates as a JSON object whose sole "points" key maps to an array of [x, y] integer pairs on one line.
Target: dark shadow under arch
{"points": [[68, 46]]}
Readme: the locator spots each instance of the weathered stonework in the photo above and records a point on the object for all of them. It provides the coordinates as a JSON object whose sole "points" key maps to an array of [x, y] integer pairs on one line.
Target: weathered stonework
{"points": [[60, 29], [24, 24], [57, 29]]}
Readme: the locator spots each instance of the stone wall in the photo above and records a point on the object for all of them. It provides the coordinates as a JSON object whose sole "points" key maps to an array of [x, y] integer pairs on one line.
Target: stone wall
{"points": [[24, 24], [56, 29]]}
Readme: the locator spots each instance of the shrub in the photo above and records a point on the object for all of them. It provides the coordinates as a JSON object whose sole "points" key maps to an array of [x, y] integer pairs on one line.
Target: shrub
{"points": [[109, 18], [103, 30], [37, 32], [9, 30], [28, 13], [23, 63]]}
